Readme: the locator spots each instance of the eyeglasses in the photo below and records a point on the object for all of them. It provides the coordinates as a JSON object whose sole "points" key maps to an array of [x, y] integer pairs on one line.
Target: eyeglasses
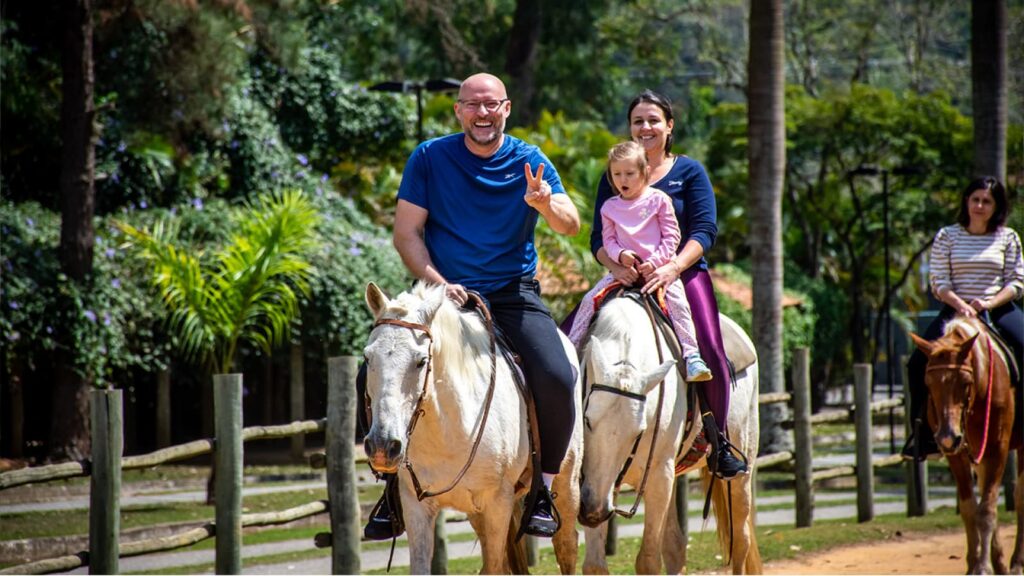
{"points": [[489, 105]]}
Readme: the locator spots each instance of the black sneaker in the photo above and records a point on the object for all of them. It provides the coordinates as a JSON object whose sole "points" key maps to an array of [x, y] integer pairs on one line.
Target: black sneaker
{"points": [[729, 466], [928, 449], [385, 520], [544, 521]]}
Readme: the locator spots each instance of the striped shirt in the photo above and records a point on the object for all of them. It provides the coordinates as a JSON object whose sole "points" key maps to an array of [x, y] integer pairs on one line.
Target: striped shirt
{"points": [[976, 265]]}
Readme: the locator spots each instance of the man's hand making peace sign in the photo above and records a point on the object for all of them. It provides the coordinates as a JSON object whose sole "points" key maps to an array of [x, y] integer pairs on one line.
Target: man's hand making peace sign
{"points": [[557, 209]]}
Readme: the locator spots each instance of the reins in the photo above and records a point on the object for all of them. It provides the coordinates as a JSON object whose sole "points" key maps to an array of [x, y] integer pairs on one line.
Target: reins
{"points": [[482, 309], [657, 422]]}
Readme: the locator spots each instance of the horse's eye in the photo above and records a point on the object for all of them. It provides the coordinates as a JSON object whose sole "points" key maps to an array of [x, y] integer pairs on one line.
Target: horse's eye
{"points": [[421, 362]]}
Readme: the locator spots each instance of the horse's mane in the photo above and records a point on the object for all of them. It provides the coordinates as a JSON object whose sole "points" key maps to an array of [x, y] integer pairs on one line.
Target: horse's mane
{"points": [[619, 323], [959, 329], [461, 342]]}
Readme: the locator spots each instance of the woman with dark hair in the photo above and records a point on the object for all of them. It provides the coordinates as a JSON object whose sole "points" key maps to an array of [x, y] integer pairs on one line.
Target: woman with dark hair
{"points": [[693, 201], [976, 269]]}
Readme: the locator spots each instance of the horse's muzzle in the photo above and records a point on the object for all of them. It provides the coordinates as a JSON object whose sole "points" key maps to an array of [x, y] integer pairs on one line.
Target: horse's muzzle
{"points": [[593, 511], [384, 454], [949, 442]]}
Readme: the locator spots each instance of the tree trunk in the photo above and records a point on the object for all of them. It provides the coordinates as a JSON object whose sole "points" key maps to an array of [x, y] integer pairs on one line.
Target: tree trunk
{"points": [[766, 155], [521, 61], [988, 86], [69, 431]]}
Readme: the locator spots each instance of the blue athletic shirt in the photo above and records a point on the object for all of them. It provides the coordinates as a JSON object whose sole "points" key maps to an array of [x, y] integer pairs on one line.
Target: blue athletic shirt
{"points": [[479, 230]]}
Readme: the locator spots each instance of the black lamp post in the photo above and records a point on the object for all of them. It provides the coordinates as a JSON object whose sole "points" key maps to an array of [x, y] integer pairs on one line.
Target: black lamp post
{"points": [[406, 86], [887, 312]]}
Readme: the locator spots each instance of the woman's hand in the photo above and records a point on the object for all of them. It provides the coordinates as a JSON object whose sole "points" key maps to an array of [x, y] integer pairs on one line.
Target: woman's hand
{"points": [[662, 277], [981, 304]]}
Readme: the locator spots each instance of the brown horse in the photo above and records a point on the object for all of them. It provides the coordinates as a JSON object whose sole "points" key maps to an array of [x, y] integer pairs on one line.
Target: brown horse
{"points": [[971, 409]]}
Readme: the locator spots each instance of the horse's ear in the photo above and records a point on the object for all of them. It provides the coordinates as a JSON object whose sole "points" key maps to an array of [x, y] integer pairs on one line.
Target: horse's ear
{"points": [[432, 302], [597, 357], [966, 347], [923, 345], [652, 378], [376, 299]]}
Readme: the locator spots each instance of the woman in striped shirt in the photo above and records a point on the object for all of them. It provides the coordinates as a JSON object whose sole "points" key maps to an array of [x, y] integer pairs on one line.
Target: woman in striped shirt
{"points": [[976, 270]]}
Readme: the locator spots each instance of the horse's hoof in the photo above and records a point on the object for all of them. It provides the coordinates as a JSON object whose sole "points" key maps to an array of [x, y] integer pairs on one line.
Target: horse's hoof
{"points": [[589, 569]]}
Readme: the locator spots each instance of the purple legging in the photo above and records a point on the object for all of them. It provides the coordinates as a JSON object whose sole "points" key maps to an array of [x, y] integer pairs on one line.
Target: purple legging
{"points": [[704, 310]]}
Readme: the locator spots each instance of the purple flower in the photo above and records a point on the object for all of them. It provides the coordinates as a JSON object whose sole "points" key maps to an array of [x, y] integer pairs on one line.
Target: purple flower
{"points": [[14, 305], [174, 210], [106, 319], [121, 146], [323, 178], [49, 329], [225, 126], [197, 203], [300, 174], [116, 283], [234, 144], [31, 223], [355, 251], [143, 204], [302, 159], [275, 174], [109, 252], [14, 336], [90, 315], [115, 177]]}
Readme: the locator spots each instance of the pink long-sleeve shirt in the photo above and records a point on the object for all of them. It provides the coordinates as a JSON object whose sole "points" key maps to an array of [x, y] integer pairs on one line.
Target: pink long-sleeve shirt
{"points": [[646, 225]]}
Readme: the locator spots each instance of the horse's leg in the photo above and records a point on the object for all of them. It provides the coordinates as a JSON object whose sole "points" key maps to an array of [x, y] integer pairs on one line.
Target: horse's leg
{"points": [[566, 540], [990, 474], [491, 524], [961, 470], [673, 545], [595, 561], [656, 503], [1017, 560], [419, 524]]}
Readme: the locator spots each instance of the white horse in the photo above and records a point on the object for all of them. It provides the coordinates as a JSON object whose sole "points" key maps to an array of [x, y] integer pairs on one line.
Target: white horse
{"points": [[623, 371], [426, 356]]}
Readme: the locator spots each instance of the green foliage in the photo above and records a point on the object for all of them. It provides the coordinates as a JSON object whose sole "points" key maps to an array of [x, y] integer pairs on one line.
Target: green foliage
{"points": [[353, 251], [250, 290], [110, 322]]}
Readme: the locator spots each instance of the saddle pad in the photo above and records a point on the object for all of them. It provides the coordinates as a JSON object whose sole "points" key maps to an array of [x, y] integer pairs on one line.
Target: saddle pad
{"points": [[735, 347]]}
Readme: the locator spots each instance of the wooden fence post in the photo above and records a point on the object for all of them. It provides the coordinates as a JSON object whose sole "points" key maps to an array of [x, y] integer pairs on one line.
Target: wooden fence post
{"points": [[917, 472], [862, 426], [297, 399], [163, 408], [1010, 481], [804, 449], [439, 562], [341, 464], [105, 482], [227, 409]]}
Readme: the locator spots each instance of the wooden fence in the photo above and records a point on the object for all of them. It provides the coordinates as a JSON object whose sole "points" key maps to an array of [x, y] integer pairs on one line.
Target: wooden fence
{"points": [[107, 463]]}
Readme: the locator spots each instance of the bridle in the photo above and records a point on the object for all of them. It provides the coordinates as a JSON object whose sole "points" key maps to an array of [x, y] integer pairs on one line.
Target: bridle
{"points": [[418, 410], [636, 443], [968, 403]]}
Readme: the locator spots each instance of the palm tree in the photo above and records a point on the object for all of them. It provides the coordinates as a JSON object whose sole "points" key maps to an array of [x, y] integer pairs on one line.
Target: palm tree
{"points": [[988, 86], [766, 156], [250, 294]]}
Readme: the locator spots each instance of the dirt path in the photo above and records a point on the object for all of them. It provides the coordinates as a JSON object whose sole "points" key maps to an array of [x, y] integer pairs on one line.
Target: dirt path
{"points": [[939, 553]]}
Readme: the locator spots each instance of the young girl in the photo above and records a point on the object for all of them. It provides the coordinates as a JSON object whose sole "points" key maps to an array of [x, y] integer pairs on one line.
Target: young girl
{"points": [[640, 231]]}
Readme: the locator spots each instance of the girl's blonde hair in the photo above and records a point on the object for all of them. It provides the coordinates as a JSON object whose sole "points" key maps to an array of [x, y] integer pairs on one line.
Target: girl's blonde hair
{"points": [[624, 152]]}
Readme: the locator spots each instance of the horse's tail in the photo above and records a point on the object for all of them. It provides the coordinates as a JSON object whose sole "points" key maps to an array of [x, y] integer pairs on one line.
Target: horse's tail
{"points": [[515, 548]]}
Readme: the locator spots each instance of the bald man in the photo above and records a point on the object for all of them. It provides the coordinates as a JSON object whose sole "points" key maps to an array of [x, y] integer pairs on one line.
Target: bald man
{"points": [[467, 208]]}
